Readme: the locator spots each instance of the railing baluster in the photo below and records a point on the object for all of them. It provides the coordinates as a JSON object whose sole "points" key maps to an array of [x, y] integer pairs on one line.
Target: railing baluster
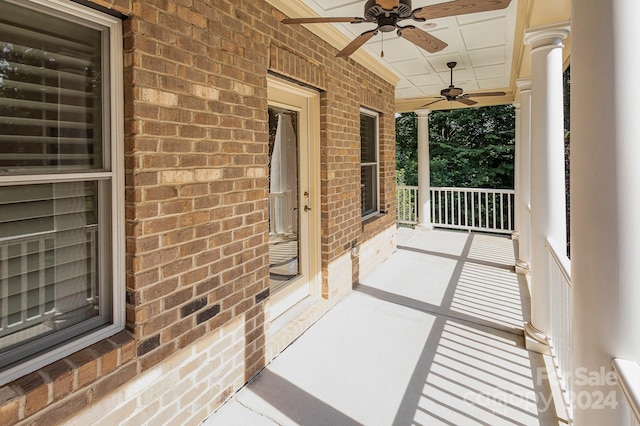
{"points": [[433, 207], [509, 214], [416, 197], [501, 212], [473, 209], [466, 210], [459, 212], [486, 210], [413, 195], [440, 208], [496, 203], [24, 285], [404, 204], [42, 299], [446, 207], [493, 201]]}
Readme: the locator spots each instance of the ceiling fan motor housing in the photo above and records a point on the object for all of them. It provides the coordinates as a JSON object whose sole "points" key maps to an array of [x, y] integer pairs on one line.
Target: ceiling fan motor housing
{"points": [[372, 10], [451, 92]]}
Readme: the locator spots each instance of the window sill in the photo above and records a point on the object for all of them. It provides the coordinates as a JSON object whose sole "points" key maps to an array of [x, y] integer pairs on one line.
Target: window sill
{"points": [[373, 217], [67, 377]]}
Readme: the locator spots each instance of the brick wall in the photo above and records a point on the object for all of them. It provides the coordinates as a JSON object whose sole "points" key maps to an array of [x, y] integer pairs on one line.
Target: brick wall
{"points": [[184, 389], [196, 203]]}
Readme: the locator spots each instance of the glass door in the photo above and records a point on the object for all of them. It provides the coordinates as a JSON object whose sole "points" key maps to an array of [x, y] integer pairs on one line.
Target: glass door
{"points": [[291, 209], [284, 208]]}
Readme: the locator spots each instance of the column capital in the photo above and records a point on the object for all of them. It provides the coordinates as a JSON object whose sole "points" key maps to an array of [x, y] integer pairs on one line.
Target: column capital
{"points": [[524, 84], [547, 35], [422, 112]]}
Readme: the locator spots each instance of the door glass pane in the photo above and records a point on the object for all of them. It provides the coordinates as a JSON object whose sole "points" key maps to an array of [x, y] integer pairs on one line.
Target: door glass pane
{"points": [[284, 208]]}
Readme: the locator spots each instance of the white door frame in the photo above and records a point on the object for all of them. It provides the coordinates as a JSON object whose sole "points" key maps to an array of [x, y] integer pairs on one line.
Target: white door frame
{"points": [[306, 102]]}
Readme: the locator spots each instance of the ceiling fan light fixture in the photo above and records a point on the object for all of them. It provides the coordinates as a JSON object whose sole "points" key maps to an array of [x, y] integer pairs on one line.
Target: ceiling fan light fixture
{"points": [[387, 24]]}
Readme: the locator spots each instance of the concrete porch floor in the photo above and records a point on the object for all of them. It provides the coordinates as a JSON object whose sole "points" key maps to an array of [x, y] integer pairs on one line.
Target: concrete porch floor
{"points": [[434, 336]]}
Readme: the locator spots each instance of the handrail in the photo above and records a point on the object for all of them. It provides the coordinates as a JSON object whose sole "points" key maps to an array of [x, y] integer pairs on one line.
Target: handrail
{"points": [[563, 262], [471, 209], [628, 377], [483, 190]]}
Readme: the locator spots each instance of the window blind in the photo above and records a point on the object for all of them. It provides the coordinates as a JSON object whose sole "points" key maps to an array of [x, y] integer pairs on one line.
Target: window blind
{"points": [[49, 276], [50, 94], [50, 121]]}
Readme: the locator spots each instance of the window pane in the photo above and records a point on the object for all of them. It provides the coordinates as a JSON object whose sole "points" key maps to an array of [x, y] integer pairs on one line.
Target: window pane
{"points": [[50, 93], [369, 189], [367, 139], [369, 167], [48, 259]]}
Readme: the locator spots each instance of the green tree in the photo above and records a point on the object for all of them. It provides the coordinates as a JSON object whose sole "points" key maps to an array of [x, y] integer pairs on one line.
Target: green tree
{"points": [[471, 147], [407, 149]]}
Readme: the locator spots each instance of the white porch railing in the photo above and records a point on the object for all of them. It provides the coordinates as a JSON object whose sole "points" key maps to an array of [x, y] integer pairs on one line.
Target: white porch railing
{"points": [[407, 205], [628, 378], [560, 333], [474, 209]]}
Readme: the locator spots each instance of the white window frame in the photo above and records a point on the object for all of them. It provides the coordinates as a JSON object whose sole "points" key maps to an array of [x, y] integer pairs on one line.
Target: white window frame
{"points": [[376, 164], [113, 120]]}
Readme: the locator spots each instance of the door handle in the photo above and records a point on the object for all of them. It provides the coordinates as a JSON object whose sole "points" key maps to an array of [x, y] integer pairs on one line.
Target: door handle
{"points": [[307, 208]]}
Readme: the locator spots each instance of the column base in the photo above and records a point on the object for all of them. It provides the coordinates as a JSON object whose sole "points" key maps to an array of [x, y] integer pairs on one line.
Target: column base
{"points": [[515, 235], [535, 340], [424, 227], [522, 267]]}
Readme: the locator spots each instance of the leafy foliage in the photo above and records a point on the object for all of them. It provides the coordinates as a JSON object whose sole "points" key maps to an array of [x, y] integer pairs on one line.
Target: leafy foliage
{"points": [[407, 149], [471, 148]]}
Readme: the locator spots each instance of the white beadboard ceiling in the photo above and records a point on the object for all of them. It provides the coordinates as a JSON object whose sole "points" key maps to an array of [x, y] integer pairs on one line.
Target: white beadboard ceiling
{"points": [[481, 44]]}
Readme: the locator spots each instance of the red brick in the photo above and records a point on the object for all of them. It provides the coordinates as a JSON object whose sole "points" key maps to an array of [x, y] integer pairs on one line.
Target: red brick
{"points": [[60, 412], [108, 356], [35, 390], [156, 356], [9, 406], [211, 238], [62, 376], [113, 381]]}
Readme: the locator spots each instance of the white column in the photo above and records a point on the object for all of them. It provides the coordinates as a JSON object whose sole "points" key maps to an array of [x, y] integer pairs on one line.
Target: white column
{"points": [[424, 174], [605, 197], [516, 174], [524, 172], [548, 205]]}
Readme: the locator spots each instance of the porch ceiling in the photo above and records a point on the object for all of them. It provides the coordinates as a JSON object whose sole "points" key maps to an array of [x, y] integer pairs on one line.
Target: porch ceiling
{"points": [[488, 48]]}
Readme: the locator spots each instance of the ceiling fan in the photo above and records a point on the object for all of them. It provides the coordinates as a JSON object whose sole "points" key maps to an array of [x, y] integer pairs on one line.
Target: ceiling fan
{"points": [[388, 13], [453, 93]]}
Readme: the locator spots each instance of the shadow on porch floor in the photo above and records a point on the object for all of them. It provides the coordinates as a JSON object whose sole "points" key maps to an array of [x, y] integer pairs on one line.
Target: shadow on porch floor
{"points": [[432, 337]]}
